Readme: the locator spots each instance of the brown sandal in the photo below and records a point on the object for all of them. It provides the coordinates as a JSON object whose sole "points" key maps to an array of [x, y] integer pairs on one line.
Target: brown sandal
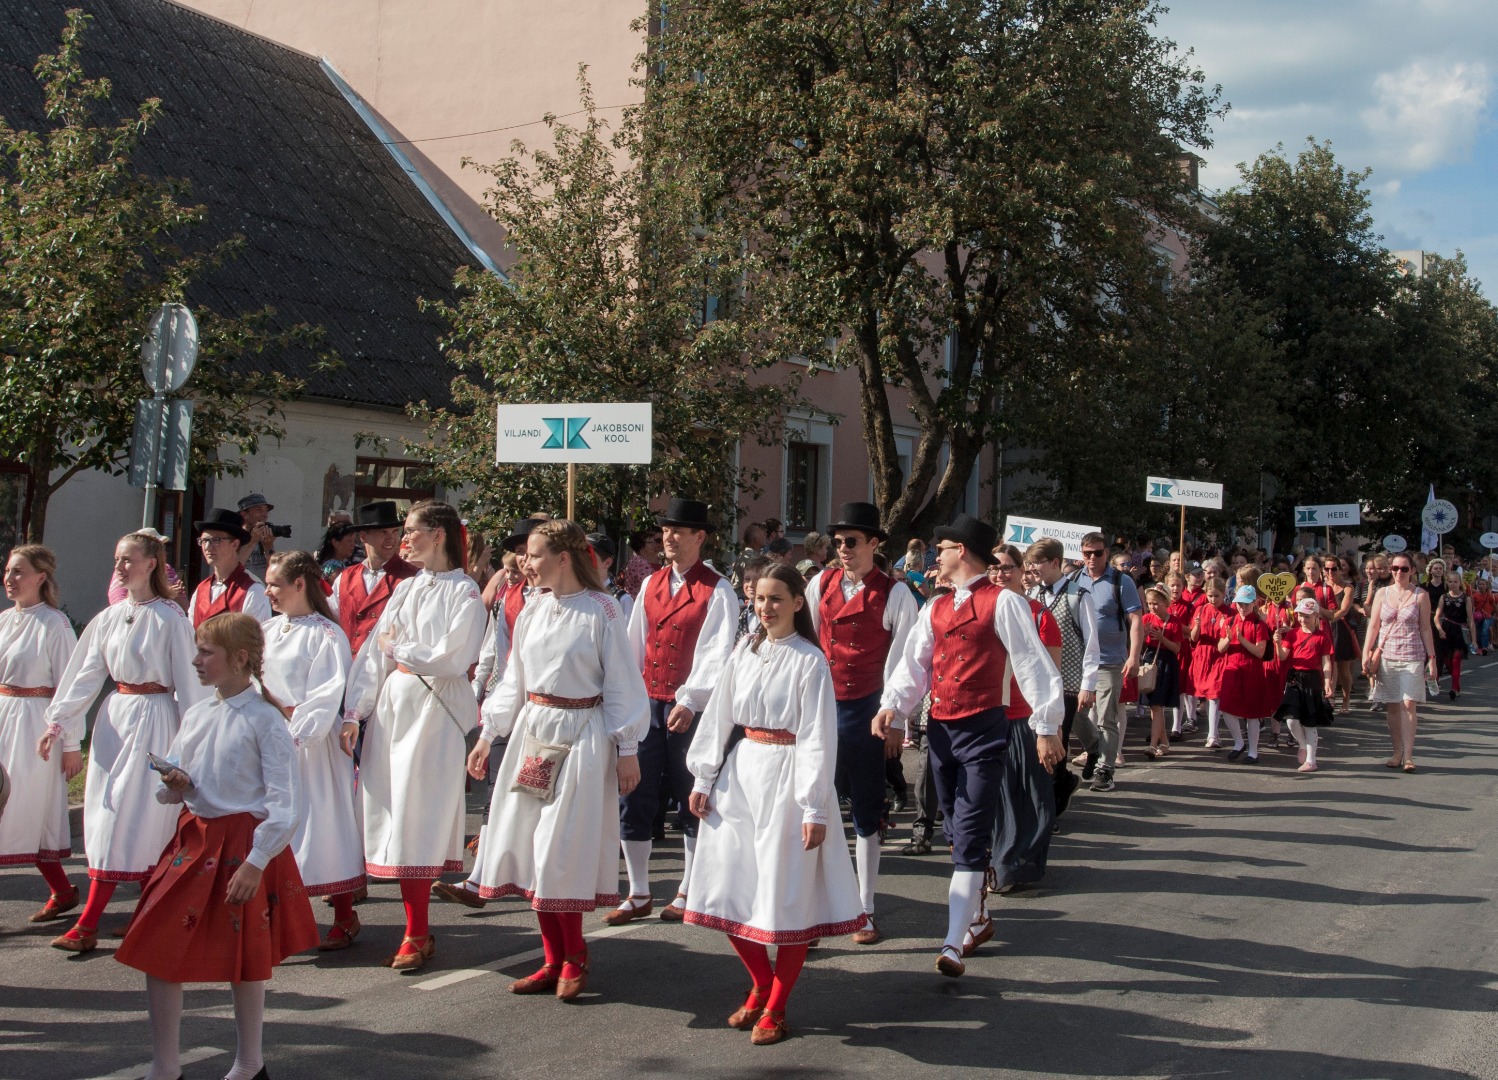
{"points": [[749, 1013], [568, 989], [770, 1029], [56, 907], [542, 982], [415, 960], [340, 936]]}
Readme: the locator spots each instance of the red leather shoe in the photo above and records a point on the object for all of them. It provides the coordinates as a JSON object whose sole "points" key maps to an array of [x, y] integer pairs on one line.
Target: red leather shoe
{"points": [[56, 906], [749, 1013]]}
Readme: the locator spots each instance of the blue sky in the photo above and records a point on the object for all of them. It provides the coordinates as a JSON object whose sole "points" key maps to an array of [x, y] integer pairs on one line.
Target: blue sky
{"points": [[1406, 87]]}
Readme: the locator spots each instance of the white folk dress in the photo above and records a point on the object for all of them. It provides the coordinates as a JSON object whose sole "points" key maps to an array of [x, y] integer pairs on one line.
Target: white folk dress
{"points": [[751, 877], [419, 708], [563, 855], [35, 644], [306, 666], [124, 827]]}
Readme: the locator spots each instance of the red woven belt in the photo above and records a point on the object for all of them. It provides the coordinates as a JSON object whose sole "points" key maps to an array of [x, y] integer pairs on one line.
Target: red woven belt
{"points": [[551, 701], [287, 710], [770, 736], [142, 688], [6, 690]]}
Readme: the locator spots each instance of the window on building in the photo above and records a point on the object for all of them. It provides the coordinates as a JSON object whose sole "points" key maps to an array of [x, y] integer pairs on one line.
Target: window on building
{"points": [[803, 474], [404, 482]]}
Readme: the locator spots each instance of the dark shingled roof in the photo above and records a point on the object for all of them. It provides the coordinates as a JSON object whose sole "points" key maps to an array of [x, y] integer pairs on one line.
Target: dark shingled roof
{"points": [[336, 235]]}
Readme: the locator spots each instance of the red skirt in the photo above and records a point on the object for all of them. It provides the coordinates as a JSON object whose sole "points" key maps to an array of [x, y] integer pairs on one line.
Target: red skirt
{"points": [[184, 930], [1249, 689]]}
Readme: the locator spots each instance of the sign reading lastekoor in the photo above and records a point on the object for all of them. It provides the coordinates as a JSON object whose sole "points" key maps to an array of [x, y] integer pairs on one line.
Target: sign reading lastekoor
{"points": [[605, 434], [1024, 531], [1161, 489]]}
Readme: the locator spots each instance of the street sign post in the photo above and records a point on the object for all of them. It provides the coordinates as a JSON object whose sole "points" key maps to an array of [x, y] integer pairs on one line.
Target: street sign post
{"points": [[162, 439], [1183, 493], [574, 434], [1024, 531]]}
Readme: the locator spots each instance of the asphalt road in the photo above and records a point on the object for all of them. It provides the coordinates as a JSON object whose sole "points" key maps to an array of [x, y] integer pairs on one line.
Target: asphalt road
{"points": [[1204, 919]]}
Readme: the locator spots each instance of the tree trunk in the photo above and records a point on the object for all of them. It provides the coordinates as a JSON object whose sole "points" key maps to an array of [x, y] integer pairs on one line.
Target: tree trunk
{"points": [[37, 496]]}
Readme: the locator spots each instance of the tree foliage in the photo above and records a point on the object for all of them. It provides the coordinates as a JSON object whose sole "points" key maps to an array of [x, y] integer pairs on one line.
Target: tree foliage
{"points": [[616, 294], [90, 246], [954, 197]]}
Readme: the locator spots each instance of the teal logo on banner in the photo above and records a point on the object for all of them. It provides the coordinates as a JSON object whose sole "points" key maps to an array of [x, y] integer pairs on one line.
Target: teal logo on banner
{"points": [[1160, 491], [1021, 534], [1306, 517], [566, 433]]}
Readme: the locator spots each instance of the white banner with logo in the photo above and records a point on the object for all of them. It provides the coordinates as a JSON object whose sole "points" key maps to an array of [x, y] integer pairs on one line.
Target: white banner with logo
{"points": [[1024, 531], [607, 434]]}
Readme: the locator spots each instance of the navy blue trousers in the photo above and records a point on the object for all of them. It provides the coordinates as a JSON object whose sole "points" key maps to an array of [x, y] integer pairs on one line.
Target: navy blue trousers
{"points": [[967, 763], [860, 762], [663, 773]]}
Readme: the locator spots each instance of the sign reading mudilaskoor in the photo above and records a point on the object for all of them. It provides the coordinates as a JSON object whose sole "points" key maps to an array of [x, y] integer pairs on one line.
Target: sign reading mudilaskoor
{"points": [[1024, 531], [605, 434]]}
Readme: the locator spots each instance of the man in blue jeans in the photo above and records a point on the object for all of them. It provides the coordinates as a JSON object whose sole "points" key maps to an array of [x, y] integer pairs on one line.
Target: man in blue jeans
{"points": [[1120, 635]]}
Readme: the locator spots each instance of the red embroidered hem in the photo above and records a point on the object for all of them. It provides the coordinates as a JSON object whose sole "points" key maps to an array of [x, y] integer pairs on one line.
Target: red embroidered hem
{"points": [[774, 937], [337, 887], [117, 875], [497, 892], [40, 856], [378, 871]]}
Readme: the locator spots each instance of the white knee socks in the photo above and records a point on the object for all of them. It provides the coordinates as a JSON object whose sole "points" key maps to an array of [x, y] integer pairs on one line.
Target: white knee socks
{"points": [[164, 1004], [637, 867], [867, 851], [1235, 729], [1307, 737], [1253, 738], [963, 896], [1214, 720], [249, 1023], [1177, 719], [690, 843]]}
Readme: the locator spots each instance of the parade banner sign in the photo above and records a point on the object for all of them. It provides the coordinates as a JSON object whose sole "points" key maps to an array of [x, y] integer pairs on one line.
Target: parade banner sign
{"points": [[601, 434], [1439, 516], [1488, 540], [1328, 516], [1394, 543], [1171, 492], [1024, 531]]}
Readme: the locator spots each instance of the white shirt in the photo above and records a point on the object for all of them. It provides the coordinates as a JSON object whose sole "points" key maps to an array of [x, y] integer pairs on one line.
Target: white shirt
{"points": [[36, 644], [256, 603], [785, 686], [714, 642], [900, 614], [1087, 618], [371, 579], [240, 758], [1014, 623], [307, 664], [574, 647]]}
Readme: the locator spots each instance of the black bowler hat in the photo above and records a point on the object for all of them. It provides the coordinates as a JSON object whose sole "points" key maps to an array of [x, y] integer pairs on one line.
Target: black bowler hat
{"points": [[516, 540], [379, 515], [221, 520], [686, 514], [862, 516], [603, 545], [979, 537]]}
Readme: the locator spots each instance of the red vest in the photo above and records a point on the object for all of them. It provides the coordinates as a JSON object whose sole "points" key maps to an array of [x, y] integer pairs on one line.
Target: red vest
{"points": [[231, 599], [358, 611], [969, 665], [853, 633], [672, 624], [511, 606]]}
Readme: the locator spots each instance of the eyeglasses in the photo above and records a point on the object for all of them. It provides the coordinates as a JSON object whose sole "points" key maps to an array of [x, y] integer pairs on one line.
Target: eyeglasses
{"points": [[849, 542], [1095, 553], [210, 541], [1004, 568]]}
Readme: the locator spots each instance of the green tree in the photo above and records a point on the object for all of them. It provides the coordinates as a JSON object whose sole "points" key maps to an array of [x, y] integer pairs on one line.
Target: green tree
{"points": [[614, 295], [89, 248], [954, 197]]}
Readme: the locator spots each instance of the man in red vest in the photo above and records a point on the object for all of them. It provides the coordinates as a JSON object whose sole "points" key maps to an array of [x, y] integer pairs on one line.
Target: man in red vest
{"points": [[863, 617], [965, 647], [361, 592], [229, 587], [682, 630]]}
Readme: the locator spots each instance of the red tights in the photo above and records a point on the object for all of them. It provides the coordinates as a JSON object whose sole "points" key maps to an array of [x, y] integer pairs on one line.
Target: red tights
{"points": [[343, 907], [99, 893], [416, 894], [1456, 672], [781, 979], [55, 877], [562, 939]]}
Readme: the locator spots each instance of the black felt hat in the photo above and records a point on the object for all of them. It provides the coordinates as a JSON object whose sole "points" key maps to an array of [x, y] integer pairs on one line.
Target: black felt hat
{"points": [[379, 515], [603, 545], [686, 514], [862, 516], [979, 537], [221, 520], [516, 540]]}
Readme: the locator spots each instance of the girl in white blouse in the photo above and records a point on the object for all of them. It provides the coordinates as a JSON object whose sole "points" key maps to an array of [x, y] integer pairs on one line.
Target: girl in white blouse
{"points": [[306, 669], [571, 682], [225, 903], [411, 682], [144, 643], [36, 641], [772, 864]]}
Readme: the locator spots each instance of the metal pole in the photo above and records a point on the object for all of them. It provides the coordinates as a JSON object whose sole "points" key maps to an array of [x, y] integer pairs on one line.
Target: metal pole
{"points": [[148, 518], [571, 487]]}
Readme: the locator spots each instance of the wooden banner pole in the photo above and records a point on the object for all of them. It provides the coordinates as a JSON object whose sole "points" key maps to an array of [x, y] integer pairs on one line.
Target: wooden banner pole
{"points": [[571, 488]]}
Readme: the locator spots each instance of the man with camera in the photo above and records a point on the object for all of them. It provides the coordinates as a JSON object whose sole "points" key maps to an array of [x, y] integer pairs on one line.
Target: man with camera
{"points": [[254, 512]]}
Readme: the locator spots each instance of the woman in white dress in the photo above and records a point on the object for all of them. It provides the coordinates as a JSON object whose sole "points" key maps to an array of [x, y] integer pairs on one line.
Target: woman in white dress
{"points": [[772, 865], [571, 682], [145, 644], [306, 667], [36, 641], [411, 681]]}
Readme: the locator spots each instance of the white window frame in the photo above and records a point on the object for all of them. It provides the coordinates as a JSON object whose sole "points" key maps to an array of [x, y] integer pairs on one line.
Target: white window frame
{"points": [[816, 429]]}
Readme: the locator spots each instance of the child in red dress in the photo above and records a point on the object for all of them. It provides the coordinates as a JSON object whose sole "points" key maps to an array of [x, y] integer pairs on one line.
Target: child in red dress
{"points": [[1244, 643], [1206, 661], [1162, 644], [225, 903]]}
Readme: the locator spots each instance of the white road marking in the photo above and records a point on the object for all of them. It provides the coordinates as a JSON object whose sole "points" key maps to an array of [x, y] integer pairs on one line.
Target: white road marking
{"points": [[437, 982], [189, 1057]]}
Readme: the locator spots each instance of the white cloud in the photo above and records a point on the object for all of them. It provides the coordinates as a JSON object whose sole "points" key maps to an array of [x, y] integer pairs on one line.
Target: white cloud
{"points": [[1427, 114]]}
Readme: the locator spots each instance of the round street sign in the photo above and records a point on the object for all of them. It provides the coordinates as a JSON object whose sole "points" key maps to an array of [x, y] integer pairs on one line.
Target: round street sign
{"points": [[170, 349], [1439, 516], [1489, 540], [1394, 543]]}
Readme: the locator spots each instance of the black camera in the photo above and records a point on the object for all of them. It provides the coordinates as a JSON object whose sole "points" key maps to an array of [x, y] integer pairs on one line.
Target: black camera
{"points": [[283, 531]]}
